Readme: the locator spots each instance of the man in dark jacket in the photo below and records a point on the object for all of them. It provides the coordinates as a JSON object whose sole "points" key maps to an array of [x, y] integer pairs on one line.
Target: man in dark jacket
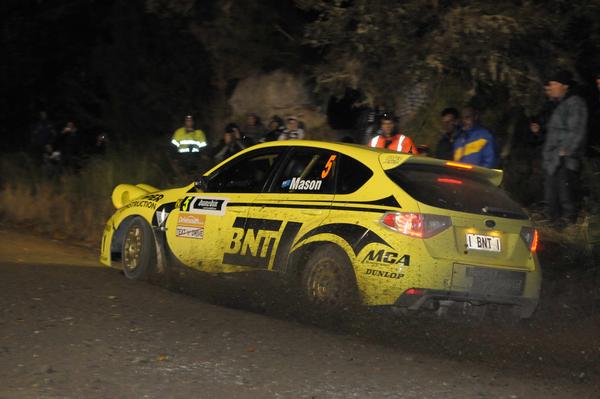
{"points": [[563, 148], [450, 121]]}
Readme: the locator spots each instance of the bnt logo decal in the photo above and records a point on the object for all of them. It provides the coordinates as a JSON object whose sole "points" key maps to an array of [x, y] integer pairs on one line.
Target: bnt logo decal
{"points": [[254, 241]]}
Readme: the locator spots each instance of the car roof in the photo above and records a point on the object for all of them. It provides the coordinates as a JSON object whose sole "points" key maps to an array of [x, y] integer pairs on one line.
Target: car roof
{"points": [[376, 158]]}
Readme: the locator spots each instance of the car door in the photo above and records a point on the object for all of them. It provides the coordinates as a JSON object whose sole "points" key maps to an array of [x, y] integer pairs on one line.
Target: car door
{"points": [[298, 200], [201, 226]]}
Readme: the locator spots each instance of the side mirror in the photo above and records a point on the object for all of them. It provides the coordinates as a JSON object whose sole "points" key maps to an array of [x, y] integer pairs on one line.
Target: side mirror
{"points": [[201, 184]]}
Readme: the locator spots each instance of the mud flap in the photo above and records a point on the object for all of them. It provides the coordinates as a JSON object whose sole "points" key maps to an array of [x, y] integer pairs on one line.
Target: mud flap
{"points": [[487, 283]]}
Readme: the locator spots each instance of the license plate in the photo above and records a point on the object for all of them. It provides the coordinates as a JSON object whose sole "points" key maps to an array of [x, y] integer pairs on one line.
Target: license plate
{"points": [[483, 243]]}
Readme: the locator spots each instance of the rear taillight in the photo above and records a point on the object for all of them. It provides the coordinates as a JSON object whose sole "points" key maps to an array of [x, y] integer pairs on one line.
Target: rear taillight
{"points": [[418, 225], [531, 237]]}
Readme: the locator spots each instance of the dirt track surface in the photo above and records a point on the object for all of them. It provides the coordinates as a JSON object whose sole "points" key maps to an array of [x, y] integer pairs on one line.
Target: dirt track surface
{"points": [[70, 328]]}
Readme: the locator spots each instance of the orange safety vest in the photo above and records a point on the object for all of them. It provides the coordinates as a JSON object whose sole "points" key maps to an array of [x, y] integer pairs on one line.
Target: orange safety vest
{"points": [[399, 142]]}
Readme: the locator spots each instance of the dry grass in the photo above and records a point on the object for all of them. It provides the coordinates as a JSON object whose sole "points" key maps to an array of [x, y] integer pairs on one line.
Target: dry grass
{"points": [[75, 205]]}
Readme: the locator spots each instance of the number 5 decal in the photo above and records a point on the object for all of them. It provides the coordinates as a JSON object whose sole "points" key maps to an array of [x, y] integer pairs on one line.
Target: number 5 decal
{"points": [[328, 166]]}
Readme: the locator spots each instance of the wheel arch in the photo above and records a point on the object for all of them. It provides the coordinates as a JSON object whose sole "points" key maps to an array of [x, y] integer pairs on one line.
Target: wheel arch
{"points": [[299, 258]]}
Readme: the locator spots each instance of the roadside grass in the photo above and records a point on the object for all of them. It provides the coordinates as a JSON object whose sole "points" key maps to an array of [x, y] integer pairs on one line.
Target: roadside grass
{"points": [[75, 204]]}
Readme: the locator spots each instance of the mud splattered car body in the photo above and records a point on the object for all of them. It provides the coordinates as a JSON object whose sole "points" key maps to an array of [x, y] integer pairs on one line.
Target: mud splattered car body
{"points": [[345, 222]]}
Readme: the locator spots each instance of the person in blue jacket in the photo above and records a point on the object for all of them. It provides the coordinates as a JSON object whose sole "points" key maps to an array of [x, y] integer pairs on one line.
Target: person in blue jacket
{"points": [[475, 144]]}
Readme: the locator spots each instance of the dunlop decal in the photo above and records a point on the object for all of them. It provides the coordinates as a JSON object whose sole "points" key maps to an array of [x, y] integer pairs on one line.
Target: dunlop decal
{"points": [[382, 273], [203, 205]]}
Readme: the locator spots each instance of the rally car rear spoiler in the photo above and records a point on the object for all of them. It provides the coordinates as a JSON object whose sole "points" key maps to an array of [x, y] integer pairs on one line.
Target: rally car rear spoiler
{"points": [[390, 160], [125, 193]]}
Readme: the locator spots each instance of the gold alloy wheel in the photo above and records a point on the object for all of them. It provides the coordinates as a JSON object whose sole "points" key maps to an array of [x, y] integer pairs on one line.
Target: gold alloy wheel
{"points": [[326, 284], [133, 248]]}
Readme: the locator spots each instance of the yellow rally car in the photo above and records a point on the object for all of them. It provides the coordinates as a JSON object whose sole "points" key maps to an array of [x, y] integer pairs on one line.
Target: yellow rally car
{"points": [[346, 223]]}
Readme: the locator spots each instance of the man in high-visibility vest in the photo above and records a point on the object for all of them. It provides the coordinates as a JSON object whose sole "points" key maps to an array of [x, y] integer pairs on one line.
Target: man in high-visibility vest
{"points": [[390, 139], [187, 139]]}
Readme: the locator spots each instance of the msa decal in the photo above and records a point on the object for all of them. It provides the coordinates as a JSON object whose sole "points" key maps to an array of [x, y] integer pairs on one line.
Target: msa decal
{"points": [[190, 225], [203, 205], [382, 273], [189, 232], [389, 257], [328, 166], [153, 197], [253, 242], [300, 184]]}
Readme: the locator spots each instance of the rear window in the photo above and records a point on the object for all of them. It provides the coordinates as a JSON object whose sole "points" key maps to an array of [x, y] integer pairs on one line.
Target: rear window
{"points": [[455, 190]]}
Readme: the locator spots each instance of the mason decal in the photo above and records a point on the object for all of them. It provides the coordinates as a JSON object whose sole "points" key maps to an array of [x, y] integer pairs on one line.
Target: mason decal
{"points": [[299, 184], [203, 205], [387, 257]]}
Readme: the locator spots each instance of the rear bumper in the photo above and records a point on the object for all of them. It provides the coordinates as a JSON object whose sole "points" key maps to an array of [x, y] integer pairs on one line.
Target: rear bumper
{"points": [[423, 298]]}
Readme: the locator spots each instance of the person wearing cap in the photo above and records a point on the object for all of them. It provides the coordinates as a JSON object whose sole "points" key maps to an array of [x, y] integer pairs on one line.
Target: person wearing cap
{"points": [[232, 142], [292, 130], [475, 144], [187, 139], [563, 148], [391, 139]]}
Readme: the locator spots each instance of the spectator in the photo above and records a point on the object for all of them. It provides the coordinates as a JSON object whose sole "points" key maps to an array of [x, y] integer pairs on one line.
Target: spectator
{"points": [[231, 143], [371, 125], [275, 129], [187, 139], [100, 144], [253, 128], [43, 133], [391, 139], [292, 130], [563, 149], [450, 125], [51, 161], [68, 145], [475, 144]]}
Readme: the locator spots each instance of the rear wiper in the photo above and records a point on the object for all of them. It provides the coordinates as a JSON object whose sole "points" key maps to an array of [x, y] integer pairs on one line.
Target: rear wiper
{"points": [[502, 212]]}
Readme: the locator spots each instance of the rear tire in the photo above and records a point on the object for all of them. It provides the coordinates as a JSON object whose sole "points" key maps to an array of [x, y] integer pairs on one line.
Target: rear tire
{"points": [[139, 250], [328, 282]]}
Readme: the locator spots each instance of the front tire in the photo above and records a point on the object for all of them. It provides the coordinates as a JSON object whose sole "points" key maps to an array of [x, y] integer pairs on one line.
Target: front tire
{"points": [[139, 250], [328, 282]]}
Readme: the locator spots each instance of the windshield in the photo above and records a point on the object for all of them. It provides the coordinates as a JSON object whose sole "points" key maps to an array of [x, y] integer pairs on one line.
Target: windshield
{"points": [[457, 190]]}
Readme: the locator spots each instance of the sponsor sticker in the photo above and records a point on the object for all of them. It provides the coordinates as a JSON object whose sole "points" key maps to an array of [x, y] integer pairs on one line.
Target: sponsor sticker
{"points": [[260, 242], [392, 159], [189, 232], [139, 204], [191, 220], [299, 184], [383, 273], [153, 197], [328, 166], [386, 257], [204, 205]]}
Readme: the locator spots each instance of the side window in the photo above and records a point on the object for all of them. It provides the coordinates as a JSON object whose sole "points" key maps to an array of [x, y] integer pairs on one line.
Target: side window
{"points": [[308, 171], [246, 175], [351, 175]]}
